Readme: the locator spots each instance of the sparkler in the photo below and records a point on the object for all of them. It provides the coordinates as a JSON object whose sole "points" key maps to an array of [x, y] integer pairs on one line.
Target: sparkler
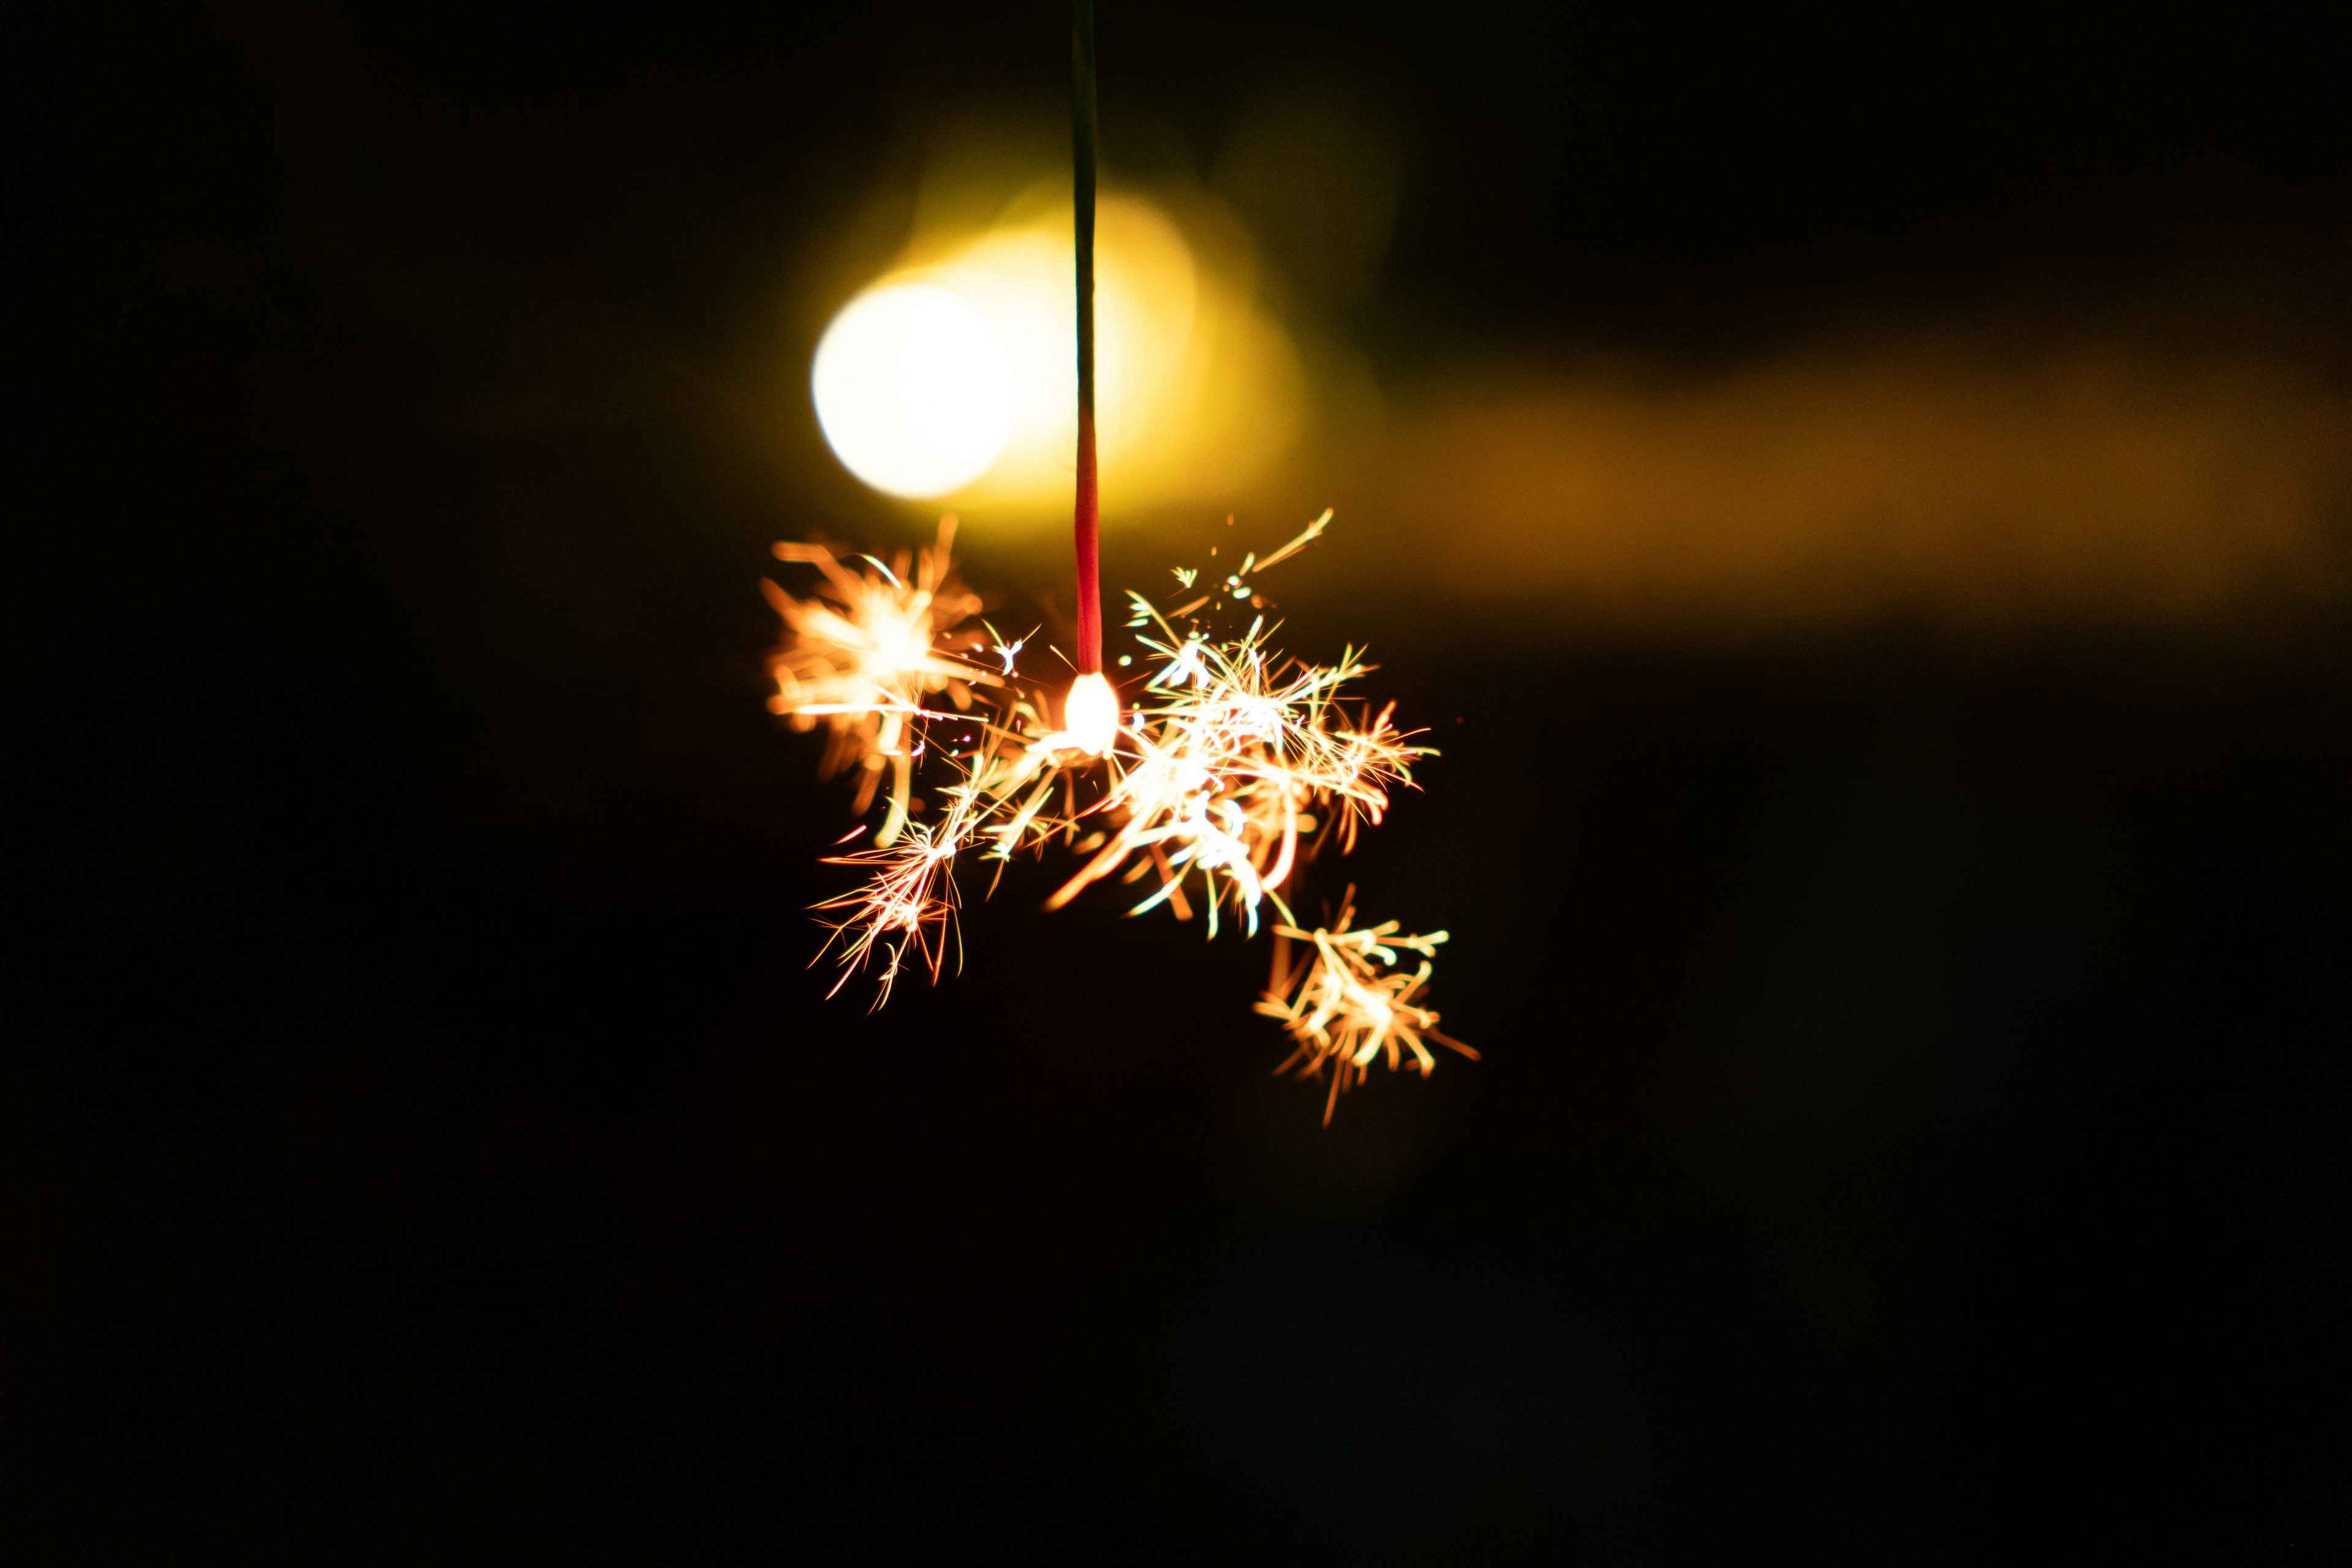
{"points": [[1234, 767]]}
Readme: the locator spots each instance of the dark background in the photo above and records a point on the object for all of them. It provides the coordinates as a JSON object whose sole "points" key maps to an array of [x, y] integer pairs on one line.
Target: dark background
{"points": [[1911, 1123]]}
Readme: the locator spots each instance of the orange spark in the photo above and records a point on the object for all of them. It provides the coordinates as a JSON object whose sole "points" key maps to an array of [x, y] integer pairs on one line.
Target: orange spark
{"points": [[862, 654], [1351, 1003]]}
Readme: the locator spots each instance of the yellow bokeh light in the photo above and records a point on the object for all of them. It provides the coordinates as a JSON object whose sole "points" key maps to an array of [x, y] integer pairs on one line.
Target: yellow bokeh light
{"points": [[914, 389], [1196, 390]]}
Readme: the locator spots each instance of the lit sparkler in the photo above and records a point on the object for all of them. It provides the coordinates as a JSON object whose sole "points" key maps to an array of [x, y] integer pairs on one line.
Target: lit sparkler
{"points": [[1234, 765]]}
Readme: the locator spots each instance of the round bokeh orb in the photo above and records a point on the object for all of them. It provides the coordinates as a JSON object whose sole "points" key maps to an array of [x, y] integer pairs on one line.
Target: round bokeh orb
{"points": [[914, 389]]}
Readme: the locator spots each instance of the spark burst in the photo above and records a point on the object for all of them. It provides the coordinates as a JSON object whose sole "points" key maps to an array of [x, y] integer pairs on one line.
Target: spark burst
{"points": [[1223, 765], [1350, 1004], [1234, 768], [862, 654]]}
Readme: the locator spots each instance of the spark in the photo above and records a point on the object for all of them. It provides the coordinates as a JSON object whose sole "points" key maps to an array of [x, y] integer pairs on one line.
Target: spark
{"points": [[906, 905], [1313, 531], [863, 653], [1225, 757], [1230, 767], [1006, 653], [1350, 1004]]}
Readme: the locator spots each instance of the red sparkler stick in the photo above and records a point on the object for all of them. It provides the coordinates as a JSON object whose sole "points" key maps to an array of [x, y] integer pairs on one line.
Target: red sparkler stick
{"points": [[1082, 160]]}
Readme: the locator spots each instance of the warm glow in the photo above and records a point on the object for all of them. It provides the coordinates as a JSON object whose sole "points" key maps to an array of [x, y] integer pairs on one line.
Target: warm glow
{"points": [[1090, 715], [914, 389], [1927, 479], [974, 391]]}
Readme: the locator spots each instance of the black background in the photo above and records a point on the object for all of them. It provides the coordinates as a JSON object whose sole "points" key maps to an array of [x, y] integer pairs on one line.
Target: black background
{"points": [[1911, 1123]]}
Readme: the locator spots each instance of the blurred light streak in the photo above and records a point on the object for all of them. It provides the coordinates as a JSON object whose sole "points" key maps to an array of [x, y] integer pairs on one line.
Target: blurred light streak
{"points": [[1937, 481]]}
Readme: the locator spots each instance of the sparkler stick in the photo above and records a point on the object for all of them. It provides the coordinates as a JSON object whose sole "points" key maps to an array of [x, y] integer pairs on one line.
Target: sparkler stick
{"points": [[1082, 206], [1090, 712]]}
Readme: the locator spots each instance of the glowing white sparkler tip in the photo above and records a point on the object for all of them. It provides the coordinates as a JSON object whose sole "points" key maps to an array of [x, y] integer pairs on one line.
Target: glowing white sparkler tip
{"points": [[1090, 715]]}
